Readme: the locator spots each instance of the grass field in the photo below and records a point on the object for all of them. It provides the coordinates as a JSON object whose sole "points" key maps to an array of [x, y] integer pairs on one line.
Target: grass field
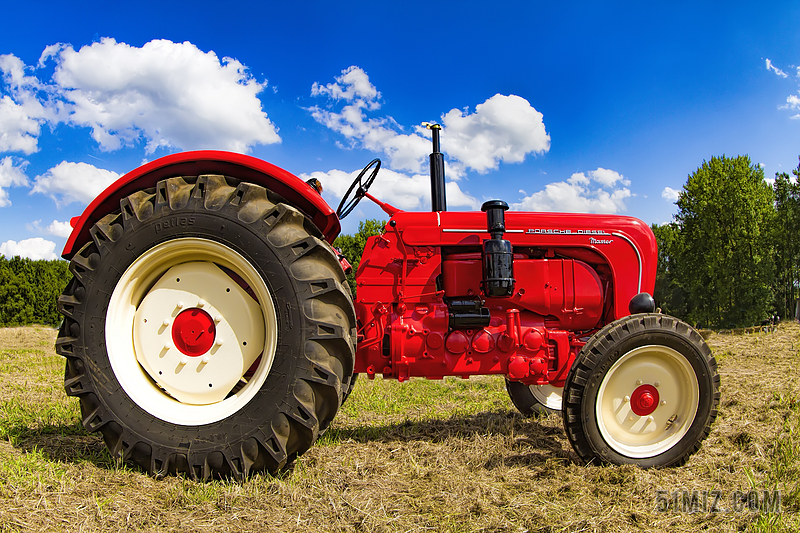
{"points": [[449, 456]]}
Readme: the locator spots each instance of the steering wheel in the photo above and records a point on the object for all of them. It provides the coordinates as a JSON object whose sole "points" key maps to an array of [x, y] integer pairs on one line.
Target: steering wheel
{"points": [[346, 207]]}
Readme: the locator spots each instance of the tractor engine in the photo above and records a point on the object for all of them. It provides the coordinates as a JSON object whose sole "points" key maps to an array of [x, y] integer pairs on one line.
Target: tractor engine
{"points": [[463, 293]]}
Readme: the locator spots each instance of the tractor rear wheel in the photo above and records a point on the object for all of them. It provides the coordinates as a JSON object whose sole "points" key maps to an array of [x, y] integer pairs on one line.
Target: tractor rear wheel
{"points": [[644, 390], [535, 400], [207, 330], [349, 388]]}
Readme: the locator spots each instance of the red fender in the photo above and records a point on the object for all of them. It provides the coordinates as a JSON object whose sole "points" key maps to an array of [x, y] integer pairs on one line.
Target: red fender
{"points": [[246, 168]]}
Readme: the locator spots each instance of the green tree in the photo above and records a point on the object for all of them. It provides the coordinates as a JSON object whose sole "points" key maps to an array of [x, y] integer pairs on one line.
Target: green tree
{"points": [[352, 246], [670, 293], [16, 297], [786, 239], [725, 212], [29, 291]]}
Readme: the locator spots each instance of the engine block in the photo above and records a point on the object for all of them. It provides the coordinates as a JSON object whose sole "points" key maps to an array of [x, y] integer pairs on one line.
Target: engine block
{"points": [[423, 307]]}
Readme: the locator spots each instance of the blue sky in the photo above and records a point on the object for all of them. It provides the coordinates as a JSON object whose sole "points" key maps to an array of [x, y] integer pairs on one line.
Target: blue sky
{"points": [[588, 107]]}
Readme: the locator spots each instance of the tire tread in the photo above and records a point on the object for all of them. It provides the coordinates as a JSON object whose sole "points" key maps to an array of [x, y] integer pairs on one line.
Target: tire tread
{"points": [[323, 372], [598, 348]]}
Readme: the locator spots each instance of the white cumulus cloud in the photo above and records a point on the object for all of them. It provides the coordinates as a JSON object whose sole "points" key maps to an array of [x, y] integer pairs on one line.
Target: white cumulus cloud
{"points": [[57, 228], [11, 175], [164, 93], [21, 112], [604, 176], [502, 129], [36, 248], [173, 94], [73, 182], [669, 194], [579, 194], [793, 104], [353, 83]]}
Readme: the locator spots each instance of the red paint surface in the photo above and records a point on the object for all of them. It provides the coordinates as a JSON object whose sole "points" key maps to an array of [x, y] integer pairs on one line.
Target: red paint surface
{"points": [[574, 274], [644, 400], [246, 168], [193, 332]]}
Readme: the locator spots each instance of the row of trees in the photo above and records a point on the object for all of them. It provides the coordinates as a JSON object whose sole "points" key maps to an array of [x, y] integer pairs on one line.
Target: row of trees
{"points": [[29, 290], [731, 257]]}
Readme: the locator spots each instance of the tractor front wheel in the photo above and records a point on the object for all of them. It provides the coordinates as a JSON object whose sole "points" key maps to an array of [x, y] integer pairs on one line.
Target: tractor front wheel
{"points": [[535, 400], [644, 390], [207, 330]]}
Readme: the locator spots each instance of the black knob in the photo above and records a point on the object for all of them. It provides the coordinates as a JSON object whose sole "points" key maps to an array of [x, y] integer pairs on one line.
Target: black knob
{"points": [[495, 217]]}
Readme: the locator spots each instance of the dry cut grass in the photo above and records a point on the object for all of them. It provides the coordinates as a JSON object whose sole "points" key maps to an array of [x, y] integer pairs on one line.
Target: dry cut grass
{"points": [[449, 456]]}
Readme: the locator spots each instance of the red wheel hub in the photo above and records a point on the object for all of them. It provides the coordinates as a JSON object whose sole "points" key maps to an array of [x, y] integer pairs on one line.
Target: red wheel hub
{"points": [[644, 400], [193, 332]]}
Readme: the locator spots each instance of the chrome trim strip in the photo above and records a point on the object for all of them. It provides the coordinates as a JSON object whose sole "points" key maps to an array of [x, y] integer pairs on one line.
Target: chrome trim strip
{"points": [[482, 230]]}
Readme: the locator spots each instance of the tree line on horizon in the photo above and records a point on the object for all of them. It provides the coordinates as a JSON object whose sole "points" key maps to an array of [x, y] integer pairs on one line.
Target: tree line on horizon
{"points": [[730, 257], [29, 291]]}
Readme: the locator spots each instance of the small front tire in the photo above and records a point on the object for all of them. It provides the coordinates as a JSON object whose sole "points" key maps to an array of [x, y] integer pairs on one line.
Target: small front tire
{"points": [[644, 390]]}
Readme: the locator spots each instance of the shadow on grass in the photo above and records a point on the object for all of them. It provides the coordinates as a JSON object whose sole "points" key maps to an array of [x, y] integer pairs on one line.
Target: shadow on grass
{"points": [[68, 443], [532, 442], [537, 442]]}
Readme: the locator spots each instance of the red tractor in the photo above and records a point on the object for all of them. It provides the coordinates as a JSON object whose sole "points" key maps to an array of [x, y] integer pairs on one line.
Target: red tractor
{"points": [[209, 329]]}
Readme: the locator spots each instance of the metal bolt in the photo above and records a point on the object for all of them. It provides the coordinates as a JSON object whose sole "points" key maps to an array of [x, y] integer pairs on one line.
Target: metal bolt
{"points": [[663, 402], [218, 342], [657, 384], [639, 382], [165, 322], [631, 418], [201, 303], [626, 399], [218, 319], [205, 359], [184, 360], [650, 419], [180, 305], [167, 346]]}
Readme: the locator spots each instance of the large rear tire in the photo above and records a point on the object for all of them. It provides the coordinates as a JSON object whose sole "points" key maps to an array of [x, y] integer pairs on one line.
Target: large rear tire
{"points": [[644, 390], [207, 330]]}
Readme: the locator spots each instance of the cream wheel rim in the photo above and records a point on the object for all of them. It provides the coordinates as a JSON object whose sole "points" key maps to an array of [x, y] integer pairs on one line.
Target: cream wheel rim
{"points": [[548, 395], [168, 279], [668, 413]]}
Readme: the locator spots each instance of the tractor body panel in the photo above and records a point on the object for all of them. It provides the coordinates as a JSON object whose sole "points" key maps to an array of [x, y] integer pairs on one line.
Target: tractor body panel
{"points": [[423, 310], [242, 167]]}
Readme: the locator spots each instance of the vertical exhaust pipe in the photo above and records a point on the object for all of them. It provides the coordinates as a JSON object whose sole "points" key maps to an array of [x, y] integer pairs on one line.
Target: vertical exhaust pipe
{"points": [[438, 200]]}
